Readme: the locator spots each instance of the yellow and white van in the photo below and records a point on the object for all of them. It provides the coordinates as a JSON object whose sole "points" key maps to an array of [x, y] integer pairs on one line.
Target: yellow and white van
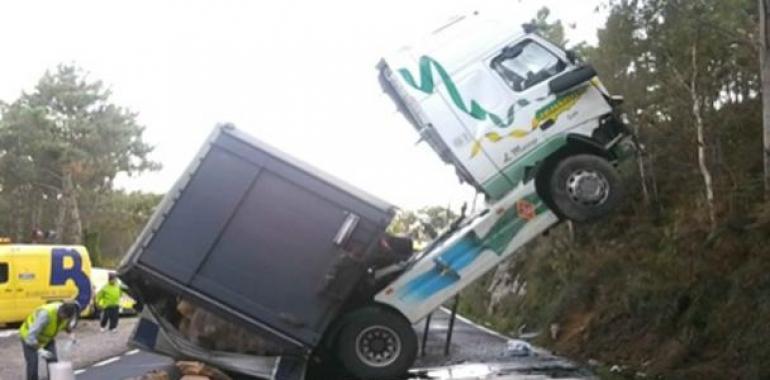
{"points": [[32, 275]]}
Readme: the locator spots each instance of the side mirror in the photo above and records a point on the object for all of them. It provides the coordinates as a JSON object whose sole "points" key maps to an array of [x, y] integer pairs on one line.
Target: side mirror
{"points": [[572, 56], [572, 79]]}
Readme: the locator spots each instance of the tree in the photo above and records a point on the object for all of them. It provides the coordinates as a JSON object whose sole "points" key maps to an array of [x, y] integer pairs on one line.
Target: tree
{"points": [[764, 33], [423, 223], [65, 139], [685, 70], [118, 221], [552, 30]]}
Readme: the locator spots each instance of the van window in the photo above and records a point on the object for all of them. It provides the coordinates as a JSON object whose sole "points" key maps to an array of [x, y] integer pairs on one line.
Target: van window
{"points": [[3, 273], [526, 64]]}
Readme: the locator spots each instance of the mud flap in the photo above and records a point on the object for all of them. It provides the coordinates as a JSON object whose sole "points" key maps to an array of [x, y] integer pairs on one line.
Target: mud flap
{"points": [[151, 335]]}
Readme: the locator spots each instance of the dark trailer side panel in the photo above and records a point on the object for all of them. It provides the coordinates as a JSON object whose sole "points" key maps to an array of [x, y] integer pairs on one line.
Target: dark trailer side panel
{"points": [[257, 237]]}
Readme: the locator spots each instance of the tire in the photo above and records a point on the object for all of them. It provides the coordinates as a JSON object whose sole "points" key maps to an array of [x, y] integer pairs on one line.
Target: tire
{"points": [[585, 187], [376, 344]]}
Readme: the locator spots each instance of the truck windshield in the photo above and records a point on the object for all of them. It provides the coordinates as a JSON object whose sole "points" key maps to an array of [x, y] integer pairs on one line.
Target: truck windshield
{"points": [[526, 64]]}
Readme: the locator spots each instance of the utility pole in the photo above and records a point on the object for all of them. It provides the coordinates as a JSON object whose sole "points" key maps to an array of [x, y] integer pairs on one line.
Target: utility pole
{"points": [[764, 56]]}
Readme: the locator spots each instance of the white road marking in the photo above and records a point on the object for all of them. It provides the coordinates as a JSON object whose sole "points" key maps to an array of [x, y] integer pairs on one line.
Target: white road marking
{"points": [[105, 362], [79, 371], [132, 352], [8, 333]]}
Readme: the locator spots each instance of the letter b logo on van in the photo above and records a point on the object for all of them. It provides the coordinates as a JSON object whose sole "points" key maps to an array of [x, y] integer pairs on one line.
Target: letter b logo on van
{"points": [[60, 274]]}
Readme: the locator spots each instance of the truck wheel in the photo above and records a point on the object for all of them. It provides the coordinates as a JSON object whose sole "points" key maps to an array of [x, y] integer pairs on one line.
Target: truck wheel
{"points": [[377, 344], [585, 188]]}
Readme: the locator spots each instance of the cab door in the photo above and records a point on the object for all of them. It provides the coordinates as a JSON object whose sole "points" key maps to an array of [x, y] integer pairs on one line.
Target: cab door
{"points": [[524, 68], [8, 294]]}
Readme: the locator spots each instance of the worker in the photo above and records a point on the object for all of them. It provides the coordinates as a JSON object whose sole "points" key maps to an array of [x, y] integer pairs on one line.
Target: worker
{"points": [[39, 330], [108, 299]]}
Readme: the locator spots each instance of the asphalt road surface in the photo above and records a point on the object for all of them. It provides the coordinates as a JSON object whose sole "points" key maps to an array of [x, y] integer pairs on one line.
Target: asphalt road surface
{"points": [[92, 346], [479, 353], [475, 353]]}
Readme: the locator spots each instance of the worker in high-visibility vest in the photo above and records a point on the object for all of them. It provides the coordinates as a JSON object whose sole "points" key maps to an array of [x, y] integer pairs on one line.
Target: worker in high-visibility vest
{"points": [[39, 330], [108, 300]]}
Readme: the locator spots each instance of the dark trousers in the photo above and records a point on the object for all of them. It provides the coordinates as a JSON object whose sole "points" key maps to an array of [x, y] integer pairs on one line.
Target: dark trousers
{"points": [[30, 356], [110, 314]]}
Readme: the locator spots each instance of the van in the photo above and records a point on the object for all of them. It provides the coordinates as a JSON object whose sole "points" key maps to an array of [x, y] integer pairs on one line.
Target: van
{"points": [[33, 275]]}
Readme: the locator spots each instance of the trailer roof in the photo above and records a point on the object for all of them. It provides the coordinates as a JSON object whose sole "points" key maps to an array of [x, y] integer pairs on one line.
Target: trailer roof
{"points": [[326, 177]]}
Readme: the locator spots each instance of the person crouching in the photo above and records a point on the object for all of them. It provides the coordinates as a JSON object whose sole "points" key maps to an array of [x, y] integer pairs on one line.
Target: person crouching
{"points": [[39, 330]]}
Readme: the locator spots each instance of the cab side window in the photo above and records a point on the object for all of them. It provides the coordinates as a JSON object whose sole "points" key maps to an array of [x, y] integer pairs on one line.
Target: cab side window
{"points": [[3, 273], [527, 64]]}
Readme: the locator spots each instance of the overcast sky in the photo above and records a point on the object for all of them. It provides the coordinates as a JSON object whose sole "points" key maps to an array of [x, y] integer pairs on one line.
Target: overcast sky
{"points": [[297, 74]]}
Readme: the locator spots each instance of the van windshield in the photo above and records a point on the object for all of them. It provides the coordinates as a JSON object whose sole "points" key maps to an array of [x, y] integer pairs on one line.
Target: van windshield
{"points": [[527, 64]]}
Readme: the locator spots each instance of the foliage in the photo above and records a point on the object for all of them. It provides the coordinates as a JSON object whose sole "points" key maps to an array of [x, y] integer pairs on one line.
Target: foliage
{"points": [[423, 223], [656, 287], [61, 147], [120, 218], [552, 30]]}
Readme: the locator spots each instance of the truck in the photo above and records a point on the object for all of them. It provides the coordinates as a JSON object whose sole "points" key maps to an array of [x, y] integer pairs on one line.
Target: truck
{"points": [[261, 264]]}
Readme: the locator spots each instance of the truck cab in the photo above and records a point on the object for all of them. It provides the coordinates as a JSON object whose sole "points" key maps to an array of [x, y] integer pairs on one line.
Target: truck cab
{"points": [[506, 107]]}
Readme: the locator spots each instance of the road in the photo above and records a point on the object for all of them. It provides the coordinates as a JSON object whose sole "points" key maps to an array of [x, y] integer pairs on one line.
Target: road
{"points": [[480, 353], [475, 353], [93, 346]]}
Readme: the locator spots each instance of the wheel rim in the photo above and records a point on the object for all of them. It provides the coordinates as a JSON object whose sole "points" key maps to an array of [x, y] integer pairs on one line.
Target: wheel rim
{"points": [[588, 188], [378, 346]]}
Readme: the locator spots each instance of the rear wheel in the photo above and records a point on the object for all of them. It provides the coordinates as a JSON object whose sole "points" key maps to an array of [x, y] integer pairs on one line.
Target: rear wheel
{"points": [[584, 188], [377, 344]]}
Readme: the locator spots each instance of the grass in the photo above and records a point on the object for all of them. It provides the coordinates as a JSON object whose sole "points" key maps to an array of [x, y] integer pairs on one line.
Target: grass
{"points": [[663, 297]]}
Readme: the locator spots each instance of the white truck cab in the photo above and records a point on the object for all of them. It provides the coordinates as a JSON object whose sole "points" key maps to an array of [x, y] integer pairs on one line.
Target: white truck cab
{"points": [[506, 107]]}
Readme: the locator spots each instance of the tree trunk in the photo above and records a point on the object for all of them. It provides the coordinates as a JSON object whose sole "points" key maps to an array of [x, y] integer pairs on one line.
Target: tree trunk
{"points": [[764, 54], [704, 170], [18, 212], [642, 172], [61, 219], [69, 231], [692, 88], [77, 223]]}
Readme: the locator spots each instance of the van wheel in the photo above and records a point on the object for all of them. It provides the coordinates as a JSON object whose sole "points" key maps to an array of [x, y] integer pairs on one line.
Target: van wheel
{"points": [[584, 188], [377, 344]]}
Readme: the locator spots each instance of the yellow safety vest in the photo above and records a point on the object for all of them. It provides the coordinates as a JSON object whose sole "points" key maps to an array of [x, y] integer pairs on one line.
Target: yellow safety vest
{"points": [[50, 330], [109, 296]]}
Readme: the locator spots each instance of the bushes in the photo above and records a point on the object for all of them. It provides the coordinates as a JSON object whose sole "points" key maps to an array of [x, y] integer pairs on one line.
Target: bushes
{"points": [[661, 298]]}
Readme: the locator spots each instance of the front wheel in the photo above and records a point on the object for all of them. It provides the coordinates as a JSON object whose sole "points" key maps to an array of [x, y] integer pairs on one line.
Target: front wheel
{"points": [[377, 344], [584, 188]]}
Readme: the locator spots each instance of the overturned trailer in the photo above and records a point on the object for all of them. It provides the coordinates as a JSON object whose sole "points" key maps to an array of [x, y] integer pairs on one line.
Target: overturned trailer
{"points": [[253, 253]]}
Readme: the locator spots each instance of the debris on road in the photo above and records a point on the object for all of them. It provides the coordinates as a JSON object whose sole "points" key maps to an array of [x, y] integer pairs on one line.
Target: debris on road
{"points": [[156, 374], [61, 371], [200, 371], [518, 348]]}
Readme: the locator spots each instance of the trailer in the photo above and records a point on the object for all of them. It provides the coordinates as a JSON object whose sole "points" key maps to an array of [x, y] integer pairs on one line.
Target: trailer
{"points": [[259, 238], [295, 265]]}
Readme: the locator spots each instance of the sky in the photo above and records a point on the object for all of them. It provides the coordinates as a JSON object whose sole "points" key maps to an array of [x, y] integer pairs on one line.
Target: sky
{"points": [[299, 75]]}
